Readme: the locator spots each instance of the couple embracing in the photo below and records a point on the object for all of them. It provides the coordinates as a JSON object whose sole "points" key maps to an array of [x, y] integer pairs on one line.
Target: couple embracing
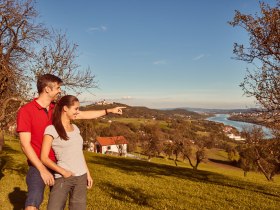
{"points": [[53, 147]]}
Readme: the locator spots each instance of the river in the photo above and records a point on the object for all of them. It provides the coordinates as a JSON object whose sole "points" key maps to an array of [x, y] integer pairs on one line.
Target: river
{"points": [[222, 118]]}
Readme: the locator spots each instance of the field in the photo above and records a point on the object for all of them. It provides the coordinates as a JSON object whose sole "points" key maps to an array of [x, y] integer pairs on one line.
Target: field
{"points": [[128, 184]]}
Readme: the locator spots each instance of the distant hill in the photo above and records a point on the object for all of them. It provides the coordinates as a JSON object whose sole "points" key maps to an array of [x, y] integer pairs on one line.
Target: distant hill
{"points": [[220, 111], [144, 112]]}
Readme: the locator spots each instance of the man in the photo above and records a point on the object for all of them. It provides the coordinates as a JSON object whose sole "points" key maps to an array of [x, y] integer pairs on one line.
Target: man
{"points": [[32, 120]]}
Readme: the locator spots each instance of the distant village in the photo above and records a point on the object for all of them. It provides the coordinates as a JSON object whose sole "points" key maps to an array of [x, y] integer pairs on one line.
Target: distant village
{"points": [[228, 130], [103, 102], [252, 117]]}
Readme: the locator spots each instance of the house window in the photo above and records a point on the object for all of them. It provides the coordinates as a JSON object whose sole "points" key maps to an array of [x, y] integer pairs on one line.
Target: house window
{"points": [[108, 147]]}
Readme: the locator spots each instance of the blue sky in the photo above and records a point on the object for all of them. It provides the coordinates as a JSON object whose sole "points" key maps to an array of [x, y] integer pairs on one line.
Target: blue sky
{"points": [[157, 53]]}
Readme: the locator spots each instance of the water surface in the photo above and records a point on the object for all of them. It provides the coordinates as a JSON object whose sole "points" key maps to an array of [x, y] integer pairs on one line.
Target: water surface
{"points": [[222, 118]]}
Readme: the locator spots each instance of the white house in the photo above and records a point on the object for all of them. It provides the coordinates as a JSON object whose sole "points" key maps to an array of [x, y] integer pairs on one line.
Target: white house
{"points": [[111, 145], [237, 138]]}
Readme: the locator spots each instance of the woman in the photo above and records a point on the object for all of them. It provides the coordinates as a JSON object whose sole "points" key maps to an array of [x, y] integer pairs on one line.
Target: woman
{"points": [[71, 172]]}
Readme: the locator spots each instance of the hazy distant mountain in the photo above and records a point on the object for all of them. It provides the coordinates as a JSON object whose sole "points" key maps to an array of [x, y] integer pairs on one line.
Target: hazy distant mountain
{"points": [[144, 112], [141, 111], [220, 111]]}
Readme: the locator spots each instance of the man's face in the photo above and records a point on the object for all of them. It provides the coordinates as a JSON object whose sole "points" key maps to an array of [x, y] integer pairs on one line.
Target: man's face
{"points": [[54, 90]]}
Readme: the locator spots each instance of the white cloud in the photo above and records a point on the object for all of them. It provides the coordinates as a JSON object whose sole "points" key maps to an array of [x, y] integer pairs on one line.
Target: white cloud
{"points": [[198, 57], [127, 97], [103, 28], [100, 28], [159, 62]]}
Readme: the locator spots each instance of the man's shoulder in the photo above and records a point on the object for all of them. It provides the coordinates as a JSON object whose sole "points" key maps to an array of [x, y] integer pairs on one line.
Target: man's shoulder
{"points": [[26, 108], [28, 105]]}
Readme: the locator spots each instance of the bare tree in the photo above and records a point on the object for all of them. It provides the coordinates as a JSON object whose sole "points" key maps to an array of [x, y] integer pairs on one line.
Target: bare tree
{"points": [[177, 145], [264, 53], [59, 57], [167, 148], [194, 153], [20, 35], [151, 137], [262, 152], [246, 159], [263, 81]]}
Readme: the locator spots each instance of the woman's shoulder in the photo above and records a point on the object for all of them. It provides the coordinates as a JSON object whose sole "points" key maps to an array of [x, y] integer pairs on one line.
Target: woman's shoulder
{"points": [[76, 128], [50, 129]]}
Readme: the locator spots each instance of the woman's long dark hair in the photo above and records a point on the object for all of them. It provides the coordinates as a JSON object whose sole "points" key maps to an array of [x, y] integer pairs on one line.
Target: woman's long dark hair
{"points": [[68, 101]]}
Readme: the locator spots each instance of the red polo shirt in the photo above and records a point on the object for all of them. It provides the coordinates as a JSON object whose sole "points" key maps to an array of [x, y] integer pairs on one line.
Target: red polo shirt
{"points": [[34, 119]]}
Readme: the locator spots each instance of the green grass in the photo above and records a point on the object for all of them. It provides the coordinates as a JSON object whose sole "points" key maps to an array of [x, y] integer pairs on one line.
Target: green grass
{"points": [[138, 121], [128, 184]]}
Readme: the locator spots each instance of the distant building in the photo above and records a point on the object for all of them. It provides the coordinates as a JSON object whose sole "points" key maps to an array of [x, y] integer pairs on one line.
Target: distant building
{"points": [[237, 138], [103, 102], [227, 129], [111, 145]]}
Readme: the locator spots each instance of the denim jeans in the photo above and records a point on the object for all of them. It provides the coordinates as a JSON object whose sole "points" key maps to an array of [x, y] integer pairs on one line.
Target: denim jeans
{"points": [[35, 186]]}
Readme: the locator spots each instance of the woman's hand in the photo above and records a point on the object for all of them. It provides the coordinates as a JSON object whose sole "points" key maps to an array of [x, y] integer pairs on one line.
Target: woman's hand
{"points": [[67, 174], [89, 181]]}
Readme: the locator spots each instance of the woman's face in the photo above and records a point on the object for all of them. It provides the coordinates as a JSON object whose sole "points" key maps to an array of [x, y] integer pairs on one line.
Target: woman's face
{"points": [[72, 111]]}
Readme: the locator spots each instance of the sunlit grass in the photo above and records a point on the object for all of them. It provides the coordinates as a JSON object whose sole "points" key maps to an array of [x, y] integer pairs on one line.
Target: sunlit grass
{"points": [[125, 183], [138, 121]]}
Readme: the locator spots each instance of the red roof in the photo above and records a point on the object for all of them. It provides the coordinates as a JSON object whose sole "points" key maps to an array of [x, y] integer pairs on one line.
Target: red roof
{"points": [[115, 140]]}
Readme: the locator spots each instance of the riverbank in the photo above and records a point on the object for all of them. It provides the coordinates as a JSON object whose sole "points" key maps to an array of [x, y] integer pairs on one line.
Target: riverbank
{"points": [[239, 125], [247, 119]]}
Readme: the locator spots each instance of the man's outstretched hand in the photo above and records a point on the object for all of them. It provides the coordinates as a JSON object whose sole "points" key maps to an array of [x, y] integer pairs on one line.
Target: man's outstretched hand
{"points": [[116, 110]]}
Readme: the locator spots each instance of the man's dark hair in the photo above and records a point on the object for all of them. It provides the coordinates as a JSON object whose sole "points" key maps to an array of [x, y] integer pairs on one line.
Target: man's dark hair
{"points": [[44, 80]]}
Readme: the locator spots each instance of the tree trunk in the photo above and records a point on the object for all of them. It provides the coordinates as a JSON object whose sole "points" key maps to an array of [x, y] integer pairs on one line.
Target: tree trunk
{"points": [[175, 161], [196, 165], [245, 173], [1, 140], [198, 160], [190, 161], [268, 176]]}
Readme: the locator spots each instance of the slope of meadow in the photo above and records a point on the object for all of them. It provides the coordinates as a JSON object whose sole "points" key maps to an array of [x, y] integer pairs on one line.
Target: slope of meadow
{"points": [[124, 183]]}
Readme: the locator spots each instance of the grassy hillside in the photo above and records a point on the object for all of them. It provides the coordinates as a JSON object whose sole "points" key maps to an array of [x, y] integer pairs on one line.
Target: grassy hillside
{"points": [[124, 183]]}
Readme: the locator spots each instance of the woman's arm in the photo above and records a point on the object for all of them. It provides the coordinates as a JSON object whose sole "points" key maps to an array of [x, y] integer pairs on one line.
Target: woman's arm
{"points": [[89, 179], [46, 147]]}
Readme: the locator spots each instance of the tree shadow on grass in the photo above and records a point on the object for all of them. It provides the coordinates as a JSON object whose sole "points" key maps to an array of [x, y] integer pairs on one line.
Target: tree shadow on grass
{"points": [[17, 198], [130, 195], [9, 150], [144, 168], [225, 162], [2, 164], [9, 163]]}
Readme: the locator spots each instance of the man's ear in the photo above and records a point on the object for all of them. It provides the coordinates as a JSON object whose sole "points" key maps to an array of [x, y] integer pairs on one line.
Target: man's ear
{"points": [[47, 89]]}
